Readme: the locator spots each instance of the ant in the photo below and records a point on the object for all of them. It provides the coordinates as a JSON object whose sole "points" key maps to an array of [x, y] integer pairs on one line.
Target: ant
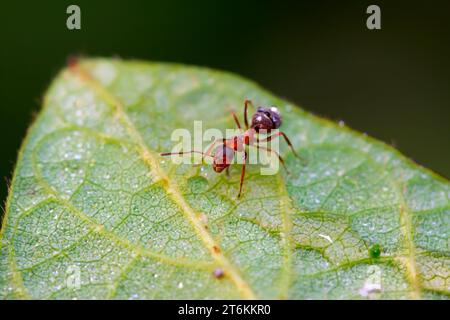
{"points": [[265, 118]]}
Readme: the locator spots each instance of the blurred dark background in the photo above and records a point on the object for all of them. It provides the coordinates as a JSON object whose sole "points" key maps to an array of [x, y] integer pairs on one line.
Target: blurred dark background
{"points": [[393, 83]]}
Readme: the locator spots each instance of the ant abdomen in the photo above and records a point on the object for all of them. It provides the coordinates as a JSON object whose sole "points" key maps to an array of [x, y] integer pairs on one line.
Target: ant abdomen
{"points": [[222, 158]]}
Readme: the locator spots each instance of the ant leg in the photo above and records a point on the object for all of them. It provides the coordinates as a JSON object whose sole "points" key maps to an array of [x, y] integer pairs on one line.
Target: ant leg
{"points": [[246, 103], [279, 133], [236, 119], [242, 175], [276, 153], [227, 171], [184, 152]]}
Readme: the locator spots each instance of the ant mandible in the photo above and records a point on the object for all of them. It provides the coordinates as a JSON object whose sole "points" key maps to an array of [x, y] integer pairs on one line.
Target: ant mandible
{"points": [[265, 118]]}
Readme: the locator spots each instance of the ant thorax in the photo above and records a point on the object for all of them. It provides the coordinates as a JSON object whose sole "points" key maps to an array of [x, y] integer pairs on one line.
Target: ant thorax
{"points": [[249, 137], [238, 143]]}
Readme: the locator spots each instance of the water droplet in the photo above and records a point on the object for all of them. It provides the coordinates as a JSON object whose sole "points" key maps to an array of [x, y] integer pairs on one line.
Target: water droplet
{"points": [[180, 285], [134, 296]]}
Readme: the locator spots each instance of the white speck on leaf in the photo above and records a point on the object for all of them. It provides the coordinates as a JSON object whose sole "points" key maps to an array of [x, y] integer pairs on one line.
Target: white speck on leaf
{"points": [[369, 288], [326, 237], [105, 72]]}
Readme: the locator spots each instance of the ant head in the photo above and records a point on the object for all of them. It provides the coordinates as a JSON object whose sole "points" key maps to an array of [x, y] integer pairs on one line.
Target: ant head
{"points": [[266, 118]]}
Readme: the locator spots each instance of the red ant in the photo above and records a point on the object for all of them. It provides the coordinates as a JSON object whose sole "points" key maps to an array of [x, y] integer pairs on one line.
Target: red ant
{"points": [[265, 118]]}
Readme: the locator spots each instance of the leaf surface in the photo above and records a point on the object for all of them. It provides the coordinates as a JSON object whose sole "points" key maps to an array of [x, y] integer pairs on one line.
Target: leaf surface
{"points": [[92, 200]]}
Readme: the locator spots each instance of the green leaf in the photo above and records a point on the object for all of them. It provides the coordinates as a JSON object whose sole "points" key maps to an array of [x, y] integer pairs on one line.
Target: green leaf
{"points": [[91, 199]]}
